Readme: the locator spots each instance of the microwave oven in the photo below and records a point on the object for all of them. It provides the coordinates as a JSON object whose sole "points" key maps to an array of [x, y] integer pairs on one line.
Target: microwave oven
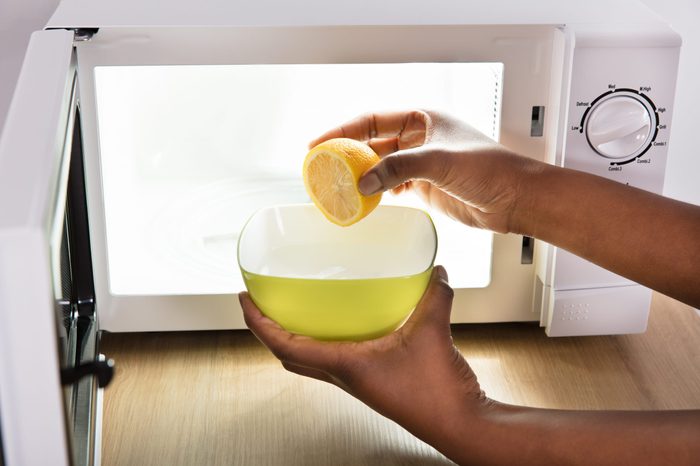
{"points": [[141, 137]]}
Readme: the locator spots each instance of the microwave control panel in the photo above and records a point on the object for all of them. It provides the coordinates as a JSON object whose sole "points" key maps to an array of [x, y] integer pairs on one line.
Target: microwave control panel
{"points": [[619, 118], [618, 123]]}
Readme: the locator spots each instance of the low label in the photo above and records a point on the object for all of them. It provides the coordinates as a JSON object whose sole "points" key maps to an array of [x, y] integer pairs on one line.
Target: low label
{"points": [[575, 128]]}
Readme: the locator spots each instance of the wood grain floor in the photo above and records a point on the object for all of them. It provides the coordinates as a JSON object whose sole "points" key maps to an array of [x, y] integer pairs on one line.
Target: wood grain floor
{"points": [[219, 398]]}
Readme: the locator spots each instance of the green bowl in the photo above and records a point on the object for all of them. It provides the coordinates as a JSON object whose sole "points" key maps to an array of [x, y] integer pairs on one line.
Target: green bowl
{"points": [[328, 282]]}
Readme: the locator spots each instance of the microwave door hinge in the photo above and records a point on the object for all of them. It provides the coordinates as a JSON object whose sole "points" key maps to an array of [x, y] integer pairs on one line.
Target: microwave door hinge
{"points": [[83, 34], [80, 34]]}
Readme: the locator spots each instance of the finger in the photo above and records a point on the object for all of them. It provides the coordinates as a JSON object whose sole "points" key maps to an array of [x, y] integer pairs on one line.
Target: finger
{"points": [[384, 146], [377, 125], [402, 166], [436, 304], [295, 349]]}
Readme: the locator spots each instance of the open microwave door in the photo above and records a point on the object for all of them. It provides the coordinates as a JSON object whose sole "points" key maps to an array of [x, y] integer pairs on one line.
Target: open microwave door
{"points": [[34, 158]]}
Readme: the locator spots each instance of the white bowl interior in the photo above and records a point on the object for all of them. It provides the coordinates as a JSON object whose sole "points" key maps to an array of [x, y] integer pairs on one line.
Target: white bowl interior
{"points": [[297, 241]]}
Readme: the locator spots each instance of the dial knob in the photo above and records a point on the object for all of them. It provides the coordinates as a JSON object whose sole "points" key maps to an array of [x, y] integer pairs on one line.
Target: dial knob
{"points": [[619, 126]]}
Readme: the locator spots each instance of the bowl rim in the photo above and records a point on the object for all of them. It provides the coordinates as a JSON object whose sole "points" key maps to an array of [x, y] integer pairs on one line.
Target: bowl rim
{"points": [[307, 204]]}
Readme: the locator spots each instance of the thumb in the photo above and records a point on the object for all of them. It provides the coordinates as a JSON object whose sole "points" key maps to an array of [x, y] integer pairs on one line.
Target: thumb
{"points": [[399, 167], [435, 306]]}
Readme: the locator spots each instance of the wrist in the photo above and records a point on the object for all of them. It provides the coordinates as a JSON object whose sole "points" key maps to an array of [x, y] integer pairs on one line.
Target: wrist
{"points": [[467, 435], [496, 433], [530, 182]]}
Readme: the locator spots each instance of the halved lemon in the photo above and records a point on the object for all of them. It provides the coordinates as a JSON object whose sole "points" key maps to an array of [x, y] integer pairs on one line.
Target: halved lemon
{"points": [[331, 172]]}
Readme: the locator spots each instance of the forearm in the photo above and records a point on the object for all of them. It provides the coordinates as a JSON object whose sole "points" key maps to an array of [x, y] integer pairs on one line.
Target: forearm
{"points": [[507, 435], [647, 238]]}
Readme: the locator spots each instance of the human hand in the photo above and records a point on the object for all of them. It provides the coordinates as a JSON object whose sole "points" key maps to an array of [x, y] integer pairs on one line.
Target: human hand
{"points": [[450, 165], [414, 375]]}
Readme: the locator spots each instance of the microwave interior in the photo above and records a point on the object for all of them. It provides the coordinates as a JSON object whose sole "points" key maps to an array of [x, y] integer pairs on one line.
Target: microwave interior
{"points": [[188, 132], [189, 153]]}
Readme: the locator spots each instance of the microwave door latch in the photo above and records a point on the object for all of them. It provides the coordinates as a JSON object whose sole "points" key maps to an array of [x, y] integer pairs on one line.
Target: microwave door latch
{"points": [[102, 369]]}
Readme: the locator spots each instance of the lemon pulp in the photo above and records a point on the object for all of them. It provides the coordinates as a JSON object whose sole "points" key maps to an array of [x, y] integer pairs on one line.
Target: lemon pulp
{"points": [[331, 173]]}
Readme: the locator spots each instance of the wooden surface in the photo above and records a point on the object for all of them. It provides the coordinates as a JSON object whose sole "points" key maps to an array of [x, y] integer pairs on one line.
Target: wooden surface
{"points": [[210, 398]]}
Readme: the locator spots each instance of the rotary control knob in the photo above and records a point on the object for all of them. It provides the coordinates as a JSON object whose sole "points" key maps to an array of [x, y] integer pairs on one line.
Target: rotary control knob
{"points": [[620, 125]]}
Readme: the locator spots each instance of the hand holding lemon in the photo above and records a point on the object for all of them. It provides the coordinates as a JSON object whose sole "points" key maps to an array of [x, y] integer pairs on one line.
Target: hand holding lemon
{"points": [[331, 172], [453, 167]]}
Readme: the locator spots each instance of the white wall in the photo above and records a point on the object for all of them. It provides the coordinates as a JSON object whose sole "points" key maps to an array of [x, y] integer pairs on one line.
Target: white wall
{"points": [[19, 17], [683, 171]]}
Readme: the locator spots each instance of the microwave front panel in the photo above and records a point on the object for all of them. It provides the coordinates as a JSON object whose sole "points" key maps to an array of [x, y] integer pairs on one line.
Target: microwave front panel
{"points": [[187, 130]]}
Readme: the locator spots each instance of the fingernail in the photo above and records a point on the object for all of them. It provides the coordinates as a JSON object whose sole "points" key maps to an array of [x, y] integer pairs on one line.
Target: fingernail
{"points": [[442, 273], [369, 184]]}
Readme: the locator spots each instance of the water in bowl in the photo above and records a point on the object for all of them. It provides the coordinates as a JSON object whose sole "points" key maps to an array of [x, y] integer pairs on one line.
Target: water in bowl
{"points": [[370, 307]]}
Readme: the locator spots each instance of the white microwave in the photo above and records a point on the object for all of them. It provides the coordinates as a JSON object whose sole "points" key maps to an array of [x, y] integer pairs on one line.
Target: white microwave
{"points": [[142, 136]]}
